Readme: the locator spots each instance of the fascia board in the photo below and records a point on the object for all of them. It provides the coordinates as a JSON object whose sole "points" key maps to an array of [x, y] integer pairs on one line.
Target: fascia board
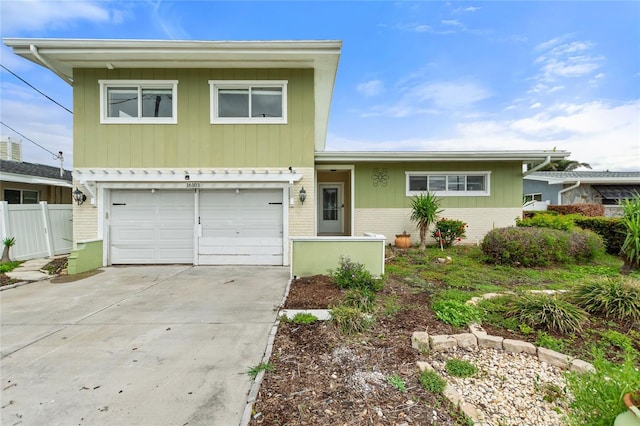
{"points": [[34, 180], [426, 156]]}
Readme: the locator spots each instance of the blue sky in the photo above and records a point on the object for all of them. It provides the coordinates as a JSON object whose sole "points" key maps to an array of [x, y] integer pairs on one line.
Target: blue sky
{"points": [[412, 76]]}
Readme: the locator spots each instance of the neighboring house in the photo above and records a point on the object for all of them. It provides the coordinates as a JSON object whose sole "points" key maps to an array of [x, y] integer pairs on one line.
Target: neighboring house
{"points": [[29, 183], [211, 152], [582, 187]]}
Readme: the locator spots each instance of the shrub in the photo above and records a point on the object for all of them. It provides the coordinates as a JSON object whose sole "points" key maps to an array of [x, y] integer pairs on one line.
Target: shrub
{"points": [[552, 221], [611, 229], [303, 318], [431, 381], [613, 297], [354, 275], [597, 396], [548, 312], [359, 298], [425, 209], [540, 246], [449, 231], [350, 320], [631, 245], [582, 209], [460, 368], [456, 313]]}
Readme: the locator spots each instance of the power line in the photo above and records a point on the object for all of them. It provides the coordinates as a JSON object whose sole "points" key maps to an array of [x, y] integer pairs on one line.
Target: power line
{"points": [[55, 156], [30, 85]]}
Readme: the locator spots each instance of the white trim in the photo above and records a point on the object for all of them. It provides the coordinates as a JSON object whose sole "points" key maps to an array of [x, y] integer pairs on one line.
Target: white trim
{"points": [[351, 168], [140, 84], [34, 180], [447, 193], [435, 156], [198, 178], [216, 85]]}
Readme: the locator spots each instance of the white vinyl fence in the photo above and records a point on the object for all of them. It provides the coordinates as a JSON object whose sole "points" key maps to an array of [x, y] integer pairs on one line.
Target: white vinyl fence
{"points": [[40, 230]]}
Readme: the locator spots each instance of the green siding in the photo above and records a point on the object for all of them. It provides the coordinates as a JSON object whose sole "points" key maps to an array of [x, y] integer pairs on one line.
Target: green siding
{"points": [[506, 184], [194, 141], [312, 257], [86, 257]]}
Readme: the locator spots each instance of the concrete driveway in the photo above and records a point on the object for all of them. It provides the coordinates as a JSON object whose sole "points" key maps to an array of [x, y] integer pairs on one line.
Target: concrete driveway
{"points": [[147, 345]]}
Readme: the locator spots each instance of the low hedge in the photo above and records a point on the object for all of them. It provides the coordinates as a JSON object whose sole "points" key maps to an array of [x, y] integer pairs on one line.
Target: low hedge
{"points": [[611, 229], [591, 210], [522, 246]]}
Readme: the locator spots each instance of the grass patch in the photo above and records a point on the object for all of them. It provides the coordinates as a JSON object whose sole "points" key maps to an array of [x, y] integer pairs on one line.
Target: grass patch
{"points": [[456, 313], [614, 297], [460, 368], [302, 318], [9, 266], [350, 320], [397, 382], [548, 312], [263, 366], [431, 381]]}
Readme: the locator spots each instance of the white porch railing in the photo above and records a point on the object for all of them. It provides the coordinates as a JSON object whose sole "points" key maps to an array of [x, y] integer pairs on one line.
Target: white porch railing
{"points": [[40, 230]]}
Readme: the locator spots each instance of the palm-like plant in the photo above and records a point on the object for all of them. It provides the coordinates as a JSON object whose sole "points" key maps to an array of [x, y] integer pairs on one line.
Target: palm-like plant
{"points": [[631, 246], [424, 211], [564, 166], [7, 243]]}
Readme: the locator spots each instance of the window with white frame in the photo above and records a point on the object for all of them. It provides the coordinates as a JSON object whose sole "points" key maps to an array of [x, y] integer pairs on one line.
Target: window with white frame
{"points": [[138, 101], [532, 197], [449, 183], [248, 101]]}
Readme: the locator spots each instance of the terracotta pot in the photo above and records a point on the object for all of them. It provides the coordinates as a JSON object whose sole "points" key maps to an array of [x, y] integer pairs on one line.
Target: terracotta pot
{"points": [[403, 240], [632, 416]]}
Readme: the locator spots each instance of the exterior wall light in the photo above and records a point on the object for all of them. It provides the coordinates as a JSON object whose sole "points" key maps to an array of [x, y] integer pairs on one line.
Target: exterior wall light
{"points": [[79, 196], [302, 195]]}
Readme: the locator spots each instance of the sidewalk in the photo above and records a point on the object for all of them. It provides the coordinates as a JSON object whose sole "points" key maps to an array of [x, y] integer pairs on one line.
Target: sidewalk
{"points": [[30, 270]]}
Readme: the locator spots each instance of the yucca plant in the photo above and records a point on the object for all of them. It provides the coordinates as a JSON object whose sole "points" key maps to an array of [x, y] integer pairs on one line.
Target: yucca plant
{"points": [[548, 312], [7, 244], [613, 297], [631, 246], [424, 212]]}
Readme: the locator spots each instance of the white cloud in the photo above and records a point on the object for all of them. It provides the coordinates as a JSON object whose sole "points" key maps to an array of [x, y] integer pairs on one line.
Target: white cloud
{"points": [[449, 94], [536, 105], [33, 15], [371, 88], [452, 22], [466, 9], [601, 134], [566, 60]]}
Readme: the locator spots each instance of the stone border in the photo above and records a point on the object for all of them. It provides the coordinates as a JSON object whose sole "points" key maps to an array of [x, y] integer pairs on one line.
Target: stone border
{"points": [[476, 339]]}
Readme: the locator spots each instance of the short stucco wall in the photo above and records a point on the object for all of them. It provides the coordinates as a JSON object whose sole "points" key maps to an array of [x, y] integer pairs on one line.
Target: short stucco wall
{"points": [[86, 257], [317, 255]]}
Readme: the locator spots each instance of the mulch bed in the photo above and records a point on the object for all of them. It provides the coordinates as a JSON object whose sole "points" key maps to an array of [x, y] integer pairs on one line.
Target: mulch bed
{"points": [[321, 377]]}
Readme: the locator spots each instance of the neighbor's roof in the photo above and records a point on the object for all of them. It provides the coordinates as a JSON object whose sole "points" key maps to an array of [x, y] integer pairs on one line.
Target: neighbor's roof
{"points": [[426, 156], [63, 55], [39, 174], [586, 177]]}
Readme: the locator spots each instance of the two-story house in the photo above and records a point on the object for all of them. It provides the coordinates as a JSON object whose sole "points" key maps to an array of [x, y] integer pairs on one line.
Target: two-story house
{"points": [[213, 152]]}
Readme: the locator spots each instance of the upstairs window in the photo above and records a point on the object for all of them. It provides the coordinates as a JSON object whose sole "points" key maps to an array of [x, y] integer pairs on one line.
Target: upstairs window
{"points": [[139, 101], [448, 183], [250, 102]]}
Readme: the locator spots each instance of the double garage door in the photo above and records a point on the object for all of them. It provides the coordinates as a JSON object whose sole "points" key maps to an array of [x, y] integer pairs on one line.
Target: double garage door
{"points": [[208, 227]]}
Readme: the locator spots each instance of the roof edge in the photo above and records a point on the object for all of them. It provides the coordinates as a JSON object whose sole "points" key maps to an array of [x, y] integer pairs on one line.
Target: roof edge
{"points": [[407, 156]]}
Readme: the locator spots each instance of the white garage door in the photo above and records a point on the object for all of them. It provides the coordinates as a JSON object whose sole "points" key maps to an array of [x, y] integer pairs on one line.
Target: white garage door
{"points": [[151, 227], [241, 227]]}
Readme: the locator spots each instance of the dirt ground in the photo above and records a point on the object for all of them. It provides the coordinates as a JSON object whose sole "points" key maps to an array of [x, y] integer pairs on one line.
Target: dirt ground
{"points": [[55, 267], [323, 378]]}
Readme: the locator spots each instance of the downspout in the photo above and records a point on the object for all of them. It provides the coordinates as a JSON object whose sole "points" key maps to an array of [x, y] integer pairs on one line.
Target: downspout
{"points": [[539, 166], [577, 184], [35, 52]]}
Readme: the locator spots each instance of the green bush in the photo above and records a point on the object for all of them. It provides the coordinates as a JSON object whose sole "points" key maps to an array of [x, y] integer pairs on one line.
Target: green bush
{"points": [[350, 320], [354, 275], [460, 368], [546, 341], [631, 245], [302, 318], [449, 231], [9, 266], [540, 246], [597, 396], [431, 381], [359, 298], [547, 220], [456, 313], [548, 312], [612, 297], [611, 229]]}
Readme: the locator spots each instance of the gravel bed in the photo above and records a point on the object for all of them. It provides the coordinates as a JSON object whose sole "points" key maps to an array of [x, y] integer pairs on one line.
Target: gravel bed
{"points": [[510, 389]]}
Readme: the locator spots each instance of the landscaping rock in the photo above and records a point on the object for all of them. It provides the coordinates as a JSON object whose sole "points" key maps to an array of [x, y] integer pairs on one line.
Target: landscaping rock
{"points": [[518, 346], [452, 395], [423, 365], [553, 358], [477, 330], [442, 342], [489, 341], [466, 341], [420, 341], [580, 366]]}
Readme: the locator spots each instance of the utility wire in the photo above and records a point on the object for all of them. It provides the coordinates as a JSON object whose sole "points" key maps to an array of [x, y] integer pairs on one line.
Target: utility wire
{"points": [[55, 156], [30, 85]]}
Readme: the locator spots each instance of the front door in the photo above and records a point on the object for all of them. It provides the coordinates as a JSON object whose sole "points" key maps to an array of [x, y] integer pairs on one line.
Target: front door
{"points": [[330, 209]]}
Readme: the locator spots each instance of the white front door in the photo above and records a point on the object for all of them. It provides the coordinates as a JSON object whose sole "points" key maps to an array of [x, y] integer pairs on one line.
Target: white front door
{"points": [[330, 208]]}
